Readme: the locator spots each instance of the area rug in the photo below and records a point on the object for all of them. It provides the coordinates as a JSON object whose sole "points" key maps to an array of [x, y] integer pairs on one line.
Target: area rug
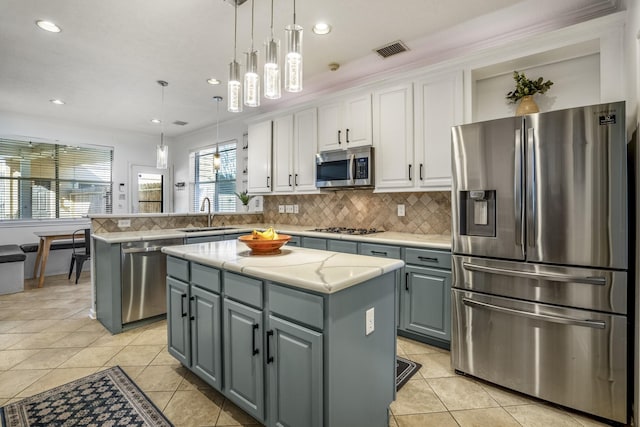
{"points": [[405, 369], [106, 398]]}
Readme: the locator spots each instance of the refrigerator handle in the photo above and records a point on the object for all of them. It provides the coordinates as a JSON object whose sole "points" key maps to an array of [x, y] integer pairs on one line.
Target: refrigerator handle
{"points": [[591, 280], [596, 324], [517, 188], [532, 233]]}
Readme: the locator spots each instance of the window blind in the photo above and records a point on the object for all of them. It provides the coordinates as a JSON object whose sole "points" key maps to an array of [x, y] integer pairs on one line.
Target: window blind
{"points": [[220, 185], [41, 180]]}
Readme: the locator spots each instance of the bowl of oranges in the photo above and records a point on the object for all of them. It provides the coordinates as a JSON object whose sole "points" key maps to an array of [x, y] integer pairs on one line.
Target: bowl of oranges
{"points": [[264, 242]]}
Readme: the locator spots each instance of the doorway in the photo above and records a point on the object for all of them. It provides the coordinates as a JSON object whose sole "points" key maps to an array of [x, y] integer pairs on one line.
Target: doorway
{"points": [[149, 189]]}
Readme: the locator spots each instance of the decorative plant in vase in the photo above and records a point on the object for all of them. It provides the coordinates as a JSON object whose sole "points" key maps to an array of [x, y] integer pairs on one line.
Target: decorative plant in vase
{"points": [[524, 91], [245, 198]]}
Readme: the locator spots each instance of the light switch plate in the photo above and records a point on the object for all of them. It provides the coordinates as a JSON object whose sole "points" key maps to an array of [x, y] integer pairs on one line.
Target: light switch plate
{"points": [[124, 223], [280, 208], [369, 321], [288, 208], [400, 210], [296, 209]]}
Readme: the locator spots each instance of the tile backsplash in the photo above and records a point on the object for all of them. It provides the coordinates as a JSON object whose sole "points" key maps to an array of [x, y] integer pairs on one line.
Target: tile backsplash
{"points": [[425, 212]]}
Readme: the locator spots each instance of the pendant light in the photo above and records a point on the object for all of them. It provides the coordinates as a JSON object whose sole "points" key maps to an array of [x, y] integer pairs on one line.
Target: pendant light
{"points": [[216, 157], [293, 58], [234, 88], [162, 151], [272, 77], [251, 77]]}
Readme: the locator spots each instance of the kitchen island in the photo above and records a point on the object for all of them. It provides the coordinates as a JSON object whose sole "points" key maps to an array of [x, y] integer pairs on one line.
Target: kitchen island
{"points": [[302, 337]]}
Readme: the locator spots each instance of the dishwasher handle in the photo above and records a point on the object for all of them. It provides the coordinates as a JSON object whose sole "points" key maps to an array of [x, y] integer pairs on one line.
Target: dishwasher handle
{"points": [[142, 250]]}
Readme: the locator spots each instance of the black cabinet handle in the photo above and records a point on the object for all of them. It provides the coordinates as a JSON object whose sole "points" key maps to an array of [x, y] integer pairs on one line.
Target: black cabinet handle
{"points": [[406, 281], [253, 339], [421, 178], [428, 259], [192, 318], [409, 172], [295, 180], [289, 180], [339, 133], [379, 253], [268, 181], [183, 297], [269, 356], [347, 135]]}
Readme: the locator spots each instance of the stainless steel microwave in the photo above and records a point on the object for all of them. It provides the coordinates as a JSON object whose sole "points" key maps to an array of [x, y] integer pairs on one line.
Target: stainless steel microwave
{"points": [[350, 168]]}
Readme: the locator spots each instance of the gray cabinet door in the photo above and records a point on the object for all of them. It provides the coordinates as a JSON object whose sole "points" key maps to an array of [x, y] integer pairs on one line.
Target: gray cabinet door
{"points": [[294, 364], [314, 243], [178, 320], [206, 338], [243, 359], [342, 246], [427, 302]]}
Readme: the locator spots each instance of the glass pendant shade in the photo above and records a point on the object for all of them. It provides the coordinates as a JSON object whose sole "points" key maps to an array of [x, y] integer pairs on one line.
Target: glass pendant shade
{"points": [[162, 156], [234, 89], [216, 161], [272, 79], [252, 81], [293, 59]]}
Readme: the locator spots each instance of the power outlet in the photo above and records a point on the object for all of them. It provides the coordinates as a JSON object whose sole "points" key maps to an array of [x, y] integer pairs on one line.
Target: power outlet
{"points": [[288, 208], [124, 223], [280, 208], [400, 210], [296, 209], [370, 324]]}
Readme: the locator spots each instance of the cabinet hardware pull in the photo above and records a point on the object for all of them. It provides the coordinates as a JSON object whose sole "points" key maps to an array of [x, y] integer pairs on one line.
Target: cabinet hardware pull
{"points": [[421, 177], [192, 318], [295, 180], [379, 253], [428, 259], [182, 299], [289, 180], [268, 181], [410, 177], [406, 281], [269, 356], [253, 339], [339, 132], [347, 135]]}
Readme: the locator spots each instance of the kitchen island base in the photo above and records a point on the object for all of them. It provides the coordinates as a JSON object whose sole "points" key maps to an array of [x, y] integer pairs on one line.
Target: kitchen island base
{"points": [[286, 355]]}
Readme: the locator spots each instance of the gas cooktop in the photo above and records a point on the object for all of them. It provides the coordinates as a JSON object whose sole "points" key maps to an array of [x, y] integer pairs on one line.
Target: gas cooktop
{"points": [[346, 230]]}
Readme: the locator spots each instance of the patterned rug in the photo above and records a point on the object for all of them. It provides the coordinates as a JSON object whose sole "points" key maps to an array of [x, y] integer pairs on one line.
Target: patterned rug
{"points": [[106, 398], [405, 369]]}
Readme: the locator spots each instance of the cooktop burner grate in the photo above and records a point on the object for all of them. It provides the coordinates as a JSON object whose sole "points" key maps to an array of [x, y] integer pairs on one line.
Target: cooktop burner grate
{"points": [[347, 230]]}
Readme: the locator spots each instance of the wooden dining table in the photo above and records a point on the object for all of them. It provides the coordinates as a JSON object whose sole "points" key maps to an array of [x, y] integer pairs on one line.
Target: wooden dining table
{"points": [[44, 246]]}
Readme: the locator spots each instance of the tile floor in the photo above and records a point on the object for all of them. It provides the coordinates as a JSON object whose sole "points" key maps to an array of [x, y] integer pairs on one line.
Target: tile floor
{"points": [[47, 339]]}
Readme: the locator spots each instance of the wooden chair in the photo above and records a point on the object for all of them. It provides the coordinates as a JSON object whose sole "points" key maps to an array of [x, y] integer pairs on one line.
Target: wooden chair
{"points": [[79, 256]]}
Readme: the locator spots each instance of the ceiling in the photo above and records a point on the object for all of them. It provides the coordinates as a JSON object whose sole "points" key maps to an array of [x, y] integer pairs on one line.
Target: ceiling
{"points": [[107, 59]]}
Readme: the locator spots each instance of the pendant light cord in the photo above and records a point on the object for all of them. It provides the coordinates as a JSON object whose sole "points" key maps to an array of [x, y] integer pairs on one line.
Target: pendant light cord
{"points": [[235, 32], [271, 19], [252, 9], [294, 12], [162, 118]]}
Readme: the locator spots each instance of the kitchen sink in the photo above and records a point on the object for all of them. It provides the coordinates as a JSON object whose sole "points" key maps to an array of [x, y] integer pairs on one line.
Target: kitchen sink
{"points": [[200, 229]]}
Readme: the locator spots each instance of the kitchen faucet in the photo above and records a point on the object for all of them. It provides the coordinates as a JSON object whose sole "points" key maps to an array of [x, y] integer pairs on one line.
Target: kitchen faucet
{"points": [[206, 199]]}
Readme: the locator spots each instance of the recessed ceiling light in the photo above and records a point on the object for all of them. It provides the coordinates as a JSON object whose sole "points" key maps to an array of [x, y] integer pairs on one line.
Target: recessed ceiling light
{"points": [[156, 121], [48, 26], [322, 28], [57, 101], [213, 81]]}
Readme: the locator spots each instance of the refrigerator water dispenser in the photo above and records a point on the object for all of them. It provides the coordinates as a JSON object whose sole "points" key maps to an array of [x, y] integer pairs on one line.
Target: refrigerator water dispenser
{"points": [[478, 213]]}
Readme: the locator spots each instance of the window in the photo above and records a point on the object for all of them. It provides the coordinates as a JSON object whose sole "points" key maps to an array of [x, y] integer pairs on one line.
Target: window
{"points": [[218, 185], [42, 180]]}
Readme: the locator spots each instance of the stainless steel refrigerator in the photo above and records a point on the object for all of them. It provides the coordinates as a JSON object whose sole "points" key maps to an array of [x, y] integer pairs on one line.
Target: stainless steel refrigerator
{"points": [[540, 264]]}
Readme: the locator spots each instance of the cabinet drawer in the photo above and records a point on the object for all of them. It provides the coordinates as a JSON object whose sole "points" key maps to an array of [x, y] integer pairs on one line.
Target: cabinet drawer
{"points": [[296, 305], [314, 243], [428, 258], [295, 241], [178, 268], [384, 251], [243, 288], [342, 246], [205, 277]]}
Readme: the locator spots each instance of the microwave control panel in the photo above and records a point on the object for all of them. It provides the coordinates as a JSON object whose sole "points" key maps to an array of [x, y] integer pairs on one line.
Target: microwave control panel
{"points": [[362, 168]]}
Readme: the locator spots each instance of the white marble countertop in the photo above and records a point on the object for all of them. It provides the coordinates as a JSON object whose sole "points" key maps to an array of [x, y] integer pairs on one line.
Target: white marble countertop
{"points": [[320, 271], [433, 241]]}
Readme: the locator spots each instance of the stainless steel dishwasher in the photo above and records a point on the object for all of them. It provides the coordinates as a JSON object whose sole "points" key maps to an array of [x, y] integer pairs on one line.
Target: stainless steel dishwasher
{"points": [[144, 270]]}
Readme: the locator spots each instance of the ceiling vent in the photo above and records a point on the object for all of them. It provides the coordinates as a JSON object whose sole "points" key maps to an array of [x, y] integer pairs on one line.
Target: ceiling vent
{"points": [[392, 49], [180, 123]]}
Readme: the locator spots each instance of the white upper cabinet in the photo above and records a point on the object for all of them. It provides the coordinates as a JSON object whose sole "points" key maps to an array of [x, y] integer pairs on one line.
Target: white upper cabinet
{"points": [[438, 107], [412, 132], [393, 137], [345, 123], [259, 161], [295, 143]]}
